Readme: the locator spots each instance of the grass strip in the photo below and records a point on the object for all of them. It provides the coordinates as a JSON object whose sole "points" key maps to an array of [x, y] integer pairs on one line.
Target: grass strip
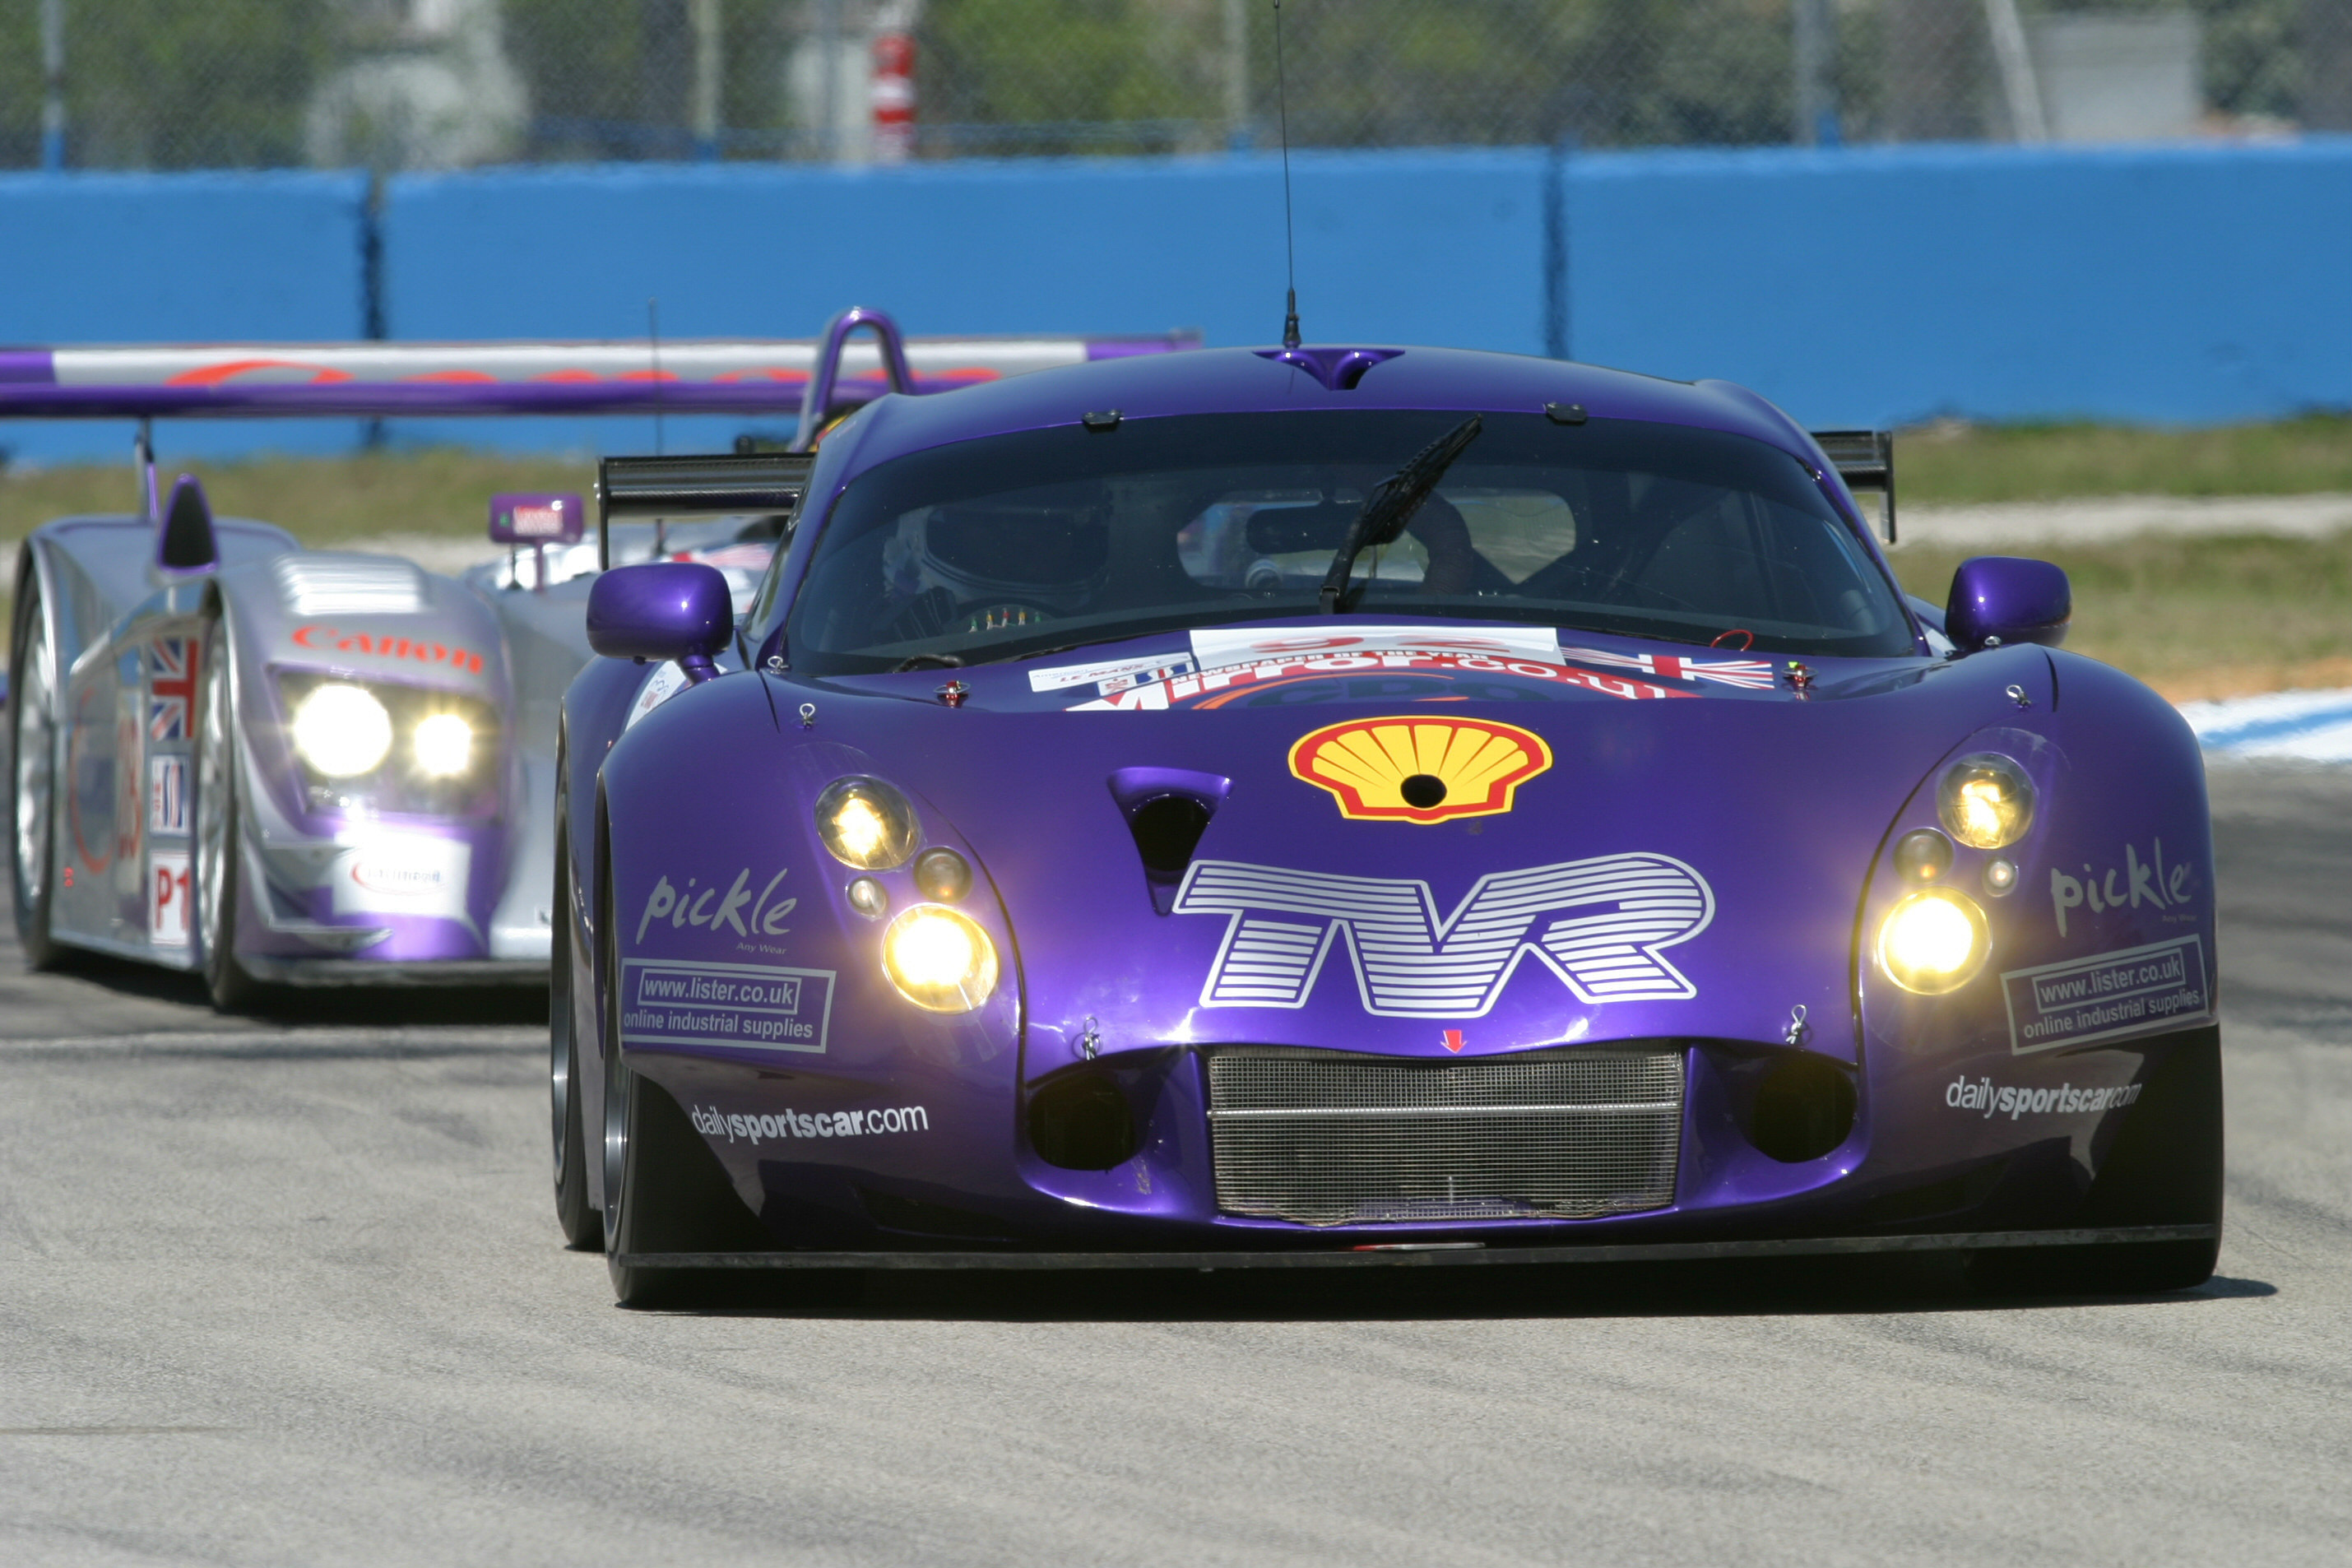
{"points": [[1953, 464], [2195, 616], [323, 501]]}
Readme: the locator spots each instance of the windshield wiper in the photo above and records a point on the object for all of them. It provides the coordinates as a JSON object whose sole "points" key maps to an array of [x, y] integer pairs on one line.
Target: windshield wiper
{"points": [[1390, 506]]}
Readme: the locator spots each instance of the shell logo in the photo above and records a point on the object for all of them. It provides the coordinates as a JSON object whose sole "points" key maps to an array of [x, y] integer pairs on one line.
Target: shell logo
{"points": [[1419, 769]]}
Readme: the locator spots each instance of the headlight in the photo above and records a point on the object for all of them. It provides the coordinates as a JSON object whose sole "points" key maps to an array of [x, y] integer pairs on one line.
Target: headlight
{"points": [[1986, 801], [941, 876], [342, 731], [445, 746], [939, 960], [1922, 854], [866, 823], [1934, 941]]}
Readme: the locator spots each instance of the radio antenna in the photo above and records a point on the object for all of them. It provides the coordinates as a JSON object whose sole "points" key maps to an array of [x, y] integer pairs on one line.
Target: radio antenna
{"points": [[652, 337], [1289, 245]]}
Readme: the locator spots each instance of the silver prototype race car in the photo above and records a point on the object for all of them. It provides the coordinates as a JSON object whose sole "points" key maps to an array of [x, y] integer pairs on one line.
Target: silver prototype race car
{"points": [[274, 766]]}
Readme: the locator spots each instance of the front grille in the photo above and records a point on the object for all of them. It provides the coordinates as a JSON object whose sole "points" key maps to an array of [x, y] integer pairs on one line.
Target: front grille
{"points": [[1323, 1139]]}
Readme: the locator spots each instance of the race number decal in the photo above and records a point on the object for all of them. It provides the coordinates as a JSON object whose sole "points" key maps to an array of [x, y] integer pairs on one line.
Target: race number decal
{"points": [[167, 898]]}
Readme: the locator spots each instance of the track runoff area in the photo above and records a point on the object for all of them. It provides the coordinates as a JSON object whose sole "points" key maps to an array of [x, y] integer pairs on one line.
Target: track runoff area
{"points": [[290, 1291]]}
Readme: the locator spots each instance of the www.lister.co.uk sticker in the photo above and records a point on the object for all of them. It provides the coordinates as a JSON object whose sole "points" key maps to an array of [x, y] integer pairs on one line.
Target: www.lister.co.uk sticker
{"points": [[752, 1007], [2087, 999]]}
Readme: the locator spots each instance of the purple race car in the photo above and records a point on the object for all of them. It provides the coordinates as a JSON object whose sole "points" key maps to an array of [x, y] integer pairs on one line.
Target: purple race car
{"points": [[1311, 806]]}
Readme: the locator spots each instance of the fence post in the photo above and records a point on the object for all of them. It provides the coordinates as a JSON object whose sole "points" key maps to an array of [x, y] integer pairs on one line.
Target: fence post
{"points": [[1816, 106], [52, 86], [1238, 136], [709, 67]]}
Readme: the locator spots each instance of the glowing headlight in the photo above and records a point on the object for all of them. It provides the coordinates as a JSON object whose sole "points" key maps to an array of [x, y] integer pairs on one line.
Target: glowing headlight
{"points": [[938, 959], [342, 731], [445, 745], [866, 823], [1986, 801], [1934, 941]]}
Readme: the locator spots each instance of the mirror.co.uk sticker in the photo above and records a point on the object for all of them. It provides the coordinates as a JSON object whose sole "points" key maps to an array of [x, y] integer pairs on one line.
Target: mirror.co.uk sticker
{"points": [[750, 1006], [2087, 999]]}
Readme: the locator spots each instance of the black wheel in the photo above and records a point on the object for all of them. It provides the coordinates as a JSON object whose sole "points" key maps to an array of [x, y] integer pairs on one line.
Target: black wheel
{"points": [[571, 985], [32, 773], [665, 1191], [219, 859]]}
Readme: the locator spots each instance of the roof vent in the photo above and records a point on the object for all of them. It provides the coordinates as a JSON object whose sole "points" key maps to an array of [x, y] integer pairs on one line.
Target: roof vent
{"points": [[1338, 369], [348, 585]]}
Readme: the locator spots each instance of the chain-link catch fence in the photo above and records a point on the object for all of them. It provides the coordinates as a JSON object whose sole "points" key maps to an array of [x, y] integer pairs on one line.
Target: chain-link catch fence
{"points": [[391, 84]]}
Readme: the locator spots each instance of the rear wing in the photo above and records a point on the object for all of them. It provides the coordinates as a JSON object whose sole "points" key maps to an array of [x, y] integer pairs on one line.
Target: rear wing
{"points": [[1864, 459], [816, 378], [767, 482], [385, 379]]}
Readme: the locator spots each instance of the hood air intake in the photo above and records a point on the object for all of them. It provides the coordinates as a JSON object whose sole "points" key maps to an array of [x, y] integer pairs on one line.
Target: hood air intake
{"points": [[1167, 810]]}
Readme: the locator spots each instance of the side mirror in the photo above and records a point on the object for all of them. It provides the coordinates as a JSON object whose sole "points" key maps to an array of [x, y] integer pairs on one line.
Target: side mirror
{"points": [[538, 520], [662, 610], [186, 542], [2001, 599]]}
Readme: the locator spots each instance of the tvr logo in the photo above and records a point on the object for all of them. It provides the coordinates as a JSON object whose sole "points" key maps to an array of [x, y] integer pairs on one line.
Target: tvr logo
{"points": [[1596, 924]]}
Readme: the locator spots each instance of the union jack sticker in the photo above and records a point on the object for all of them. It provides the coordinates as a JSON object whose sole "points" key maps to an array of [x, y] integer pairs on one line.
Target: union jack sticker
{"points": [[171, 688], [1755, 674]]}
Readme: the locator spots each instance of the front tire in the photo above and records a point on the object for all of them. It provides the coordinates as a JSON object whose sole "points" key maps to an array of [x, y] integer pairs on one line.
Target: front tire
{"points": [[219, 854], [570, 983], [665, 1191], [32, 775]]}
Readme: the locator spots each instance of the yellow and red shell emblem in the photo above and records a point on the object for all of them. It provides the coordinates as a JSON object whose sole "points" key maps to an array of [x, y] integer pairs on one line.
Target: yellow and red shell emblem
{"points": [[1419, 769]]}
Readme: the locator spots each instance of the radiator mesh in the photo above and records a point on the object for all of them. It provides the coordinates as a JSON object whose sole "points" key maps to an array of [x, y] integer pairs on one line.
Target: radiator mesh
{"points": [[1319, 1138]]}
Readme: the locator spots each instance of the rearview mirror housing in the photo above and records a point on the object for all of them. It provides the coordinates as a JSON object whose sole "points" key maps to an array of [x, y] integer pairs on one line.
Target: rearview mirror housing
{"points": [[678, 610], [535, 519], [2001, 599]]}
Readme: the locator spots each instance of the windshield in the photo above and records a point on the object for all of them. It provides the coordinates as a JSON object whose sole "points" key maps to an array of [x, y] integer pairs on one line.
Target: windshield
{"points": [[1014, 544]]}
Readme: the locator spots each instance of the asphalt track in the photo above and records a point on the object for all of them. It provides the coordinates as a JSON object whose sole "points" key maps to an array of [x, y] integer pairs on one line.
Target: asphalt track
{"points": [[291, 1292]]}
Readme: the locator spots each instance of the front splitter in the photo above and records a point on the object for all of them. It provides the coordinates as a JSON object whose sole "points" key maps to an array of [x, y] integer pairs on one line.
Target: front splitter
{"points": [[331, 973], [1434, 1254]]}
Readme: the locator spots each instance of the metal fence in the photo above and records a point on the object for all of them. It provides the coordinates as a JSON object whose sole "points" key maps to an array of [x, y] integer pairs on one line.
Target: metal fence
{"points": [[389, 84]]}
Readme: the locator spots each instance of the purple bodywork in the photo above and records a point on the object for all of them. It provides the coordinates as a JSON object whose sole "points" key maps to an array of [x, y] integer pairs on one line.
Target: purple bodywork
{"points": [[1759, 798]]}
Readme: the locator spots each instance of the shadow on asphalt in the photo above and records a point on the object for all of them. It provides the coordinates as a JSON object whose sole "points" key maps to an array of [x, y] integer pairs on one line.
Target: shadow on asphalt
{"points": [[1745, 1288], [372, 1006]]}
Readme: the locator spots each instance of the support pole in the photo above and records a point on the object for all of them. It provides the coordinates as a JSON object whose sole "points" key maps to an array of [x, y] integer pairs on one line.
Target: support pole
{"points": [[1812, 48], [1238, 134], [703, 17], [828, 33], [2018, 84], [52, 86]]}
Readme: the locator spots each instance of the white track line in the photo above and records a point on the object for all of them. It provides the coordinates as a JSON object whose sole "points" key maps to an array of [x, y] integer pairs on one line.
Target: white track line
{"points": [[2303, 726]]}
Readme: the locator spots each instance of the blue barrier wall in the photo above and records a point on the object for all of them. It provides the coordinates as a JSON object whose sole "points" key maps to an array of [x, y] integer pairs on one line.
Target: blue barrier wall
{"points": [[1882, 286], [1416, 247], [2187, 284], [98, 258]]}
